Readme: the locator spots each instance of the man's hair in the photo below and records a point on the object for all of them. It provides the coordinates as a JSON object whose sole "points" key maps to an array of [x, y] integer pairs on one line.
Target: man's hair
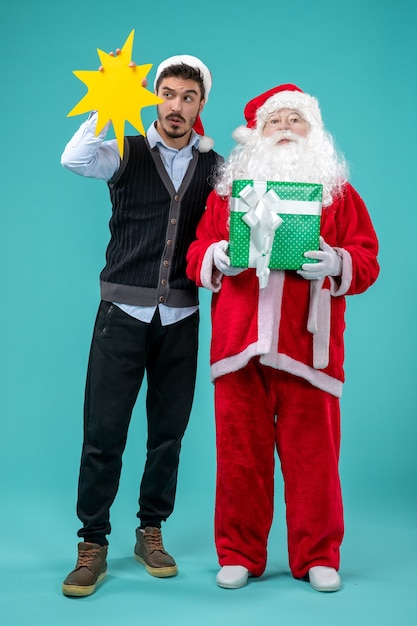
{"points": [[186, 72]]}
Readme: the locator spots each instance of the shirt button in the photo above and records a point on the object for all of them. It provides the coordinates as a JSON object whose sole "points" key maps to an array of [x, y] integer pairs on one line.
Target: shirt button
{"points": [[176, 198], [161, 298], [169, 242], [163, 281], [166, 263], [173, 221]]}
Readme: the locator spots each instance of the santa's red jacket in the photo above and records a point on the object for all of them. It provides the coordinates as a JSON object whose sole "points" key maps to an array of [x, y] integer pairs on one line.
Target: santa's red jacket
{"points": [[293, 324]]}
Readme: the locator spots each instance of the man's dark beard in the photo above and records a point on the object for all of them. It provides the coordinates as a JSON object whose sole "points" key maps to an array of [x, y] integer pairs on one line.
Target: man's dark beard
{"points": [[176, 133]]}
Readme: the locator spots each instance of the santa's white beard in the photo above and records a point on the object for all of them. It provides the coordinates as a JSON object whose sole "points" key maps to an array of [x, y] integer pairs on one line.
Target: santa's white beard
{"points": [[303, 159]]}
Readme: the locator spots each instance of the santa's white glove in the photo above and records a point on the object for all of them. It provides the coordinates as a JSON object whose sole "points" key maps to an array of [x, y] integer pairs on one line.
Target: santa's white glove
{"points": [[222, 260], [329, 263]]}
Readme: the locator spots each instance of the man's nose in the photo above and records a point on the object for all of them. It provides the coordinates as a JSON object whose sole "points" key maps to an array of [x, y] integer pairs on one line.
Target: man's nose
{"points": [[176, 104]]}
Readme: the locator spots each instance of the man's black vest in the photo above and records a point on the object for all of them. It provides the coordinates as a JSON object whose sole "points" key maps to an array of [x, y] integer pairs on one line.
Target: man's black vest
{"points": [[152, 226]]}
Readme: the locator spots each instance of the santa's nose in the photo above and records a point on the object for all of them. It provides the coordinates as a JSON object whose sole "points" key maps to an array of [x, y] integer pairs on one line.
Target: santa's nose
{"points": [[283, 125]]}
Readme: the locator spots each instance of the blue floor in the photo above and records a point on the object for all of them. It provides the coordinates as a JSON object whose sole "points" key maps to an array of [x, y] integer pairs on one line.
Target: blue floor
{"points": [[378, 572]]}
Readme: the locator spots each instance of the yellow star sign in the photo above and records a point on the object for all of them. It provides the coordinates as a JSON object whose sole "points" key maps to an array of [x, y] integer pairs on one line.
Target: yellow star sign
{"points": [[116, 92]]}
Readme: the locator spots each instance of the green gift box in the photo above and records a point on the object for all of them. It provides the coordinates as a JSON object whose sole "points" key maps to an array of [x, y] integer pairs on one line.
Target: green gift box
{"points": [[274, 223]]}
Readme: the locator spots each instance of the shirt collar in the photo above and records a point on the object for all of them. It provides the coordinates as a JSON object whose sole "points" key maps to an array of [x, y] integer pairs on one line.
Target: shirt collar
{"points": [[155, 138]]}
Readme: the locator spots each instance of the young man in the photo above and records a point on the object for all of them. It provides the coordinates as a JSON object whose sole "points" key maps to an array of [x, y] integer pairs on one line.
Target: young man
{"points": [[148, 316], [277, 348]]}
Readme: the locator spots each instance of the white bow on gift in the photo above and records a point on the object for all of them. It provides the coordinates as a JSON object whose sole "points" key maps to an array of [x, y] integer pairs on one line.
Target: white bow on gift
{"points": [[263, 221]]}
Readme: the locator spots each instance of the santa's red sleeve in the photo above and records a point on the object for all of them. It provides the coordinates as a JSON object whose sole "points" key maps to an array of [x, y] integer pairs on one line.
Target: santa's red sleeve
{"points": [[211, 229], [357, 237], [347, 227]]}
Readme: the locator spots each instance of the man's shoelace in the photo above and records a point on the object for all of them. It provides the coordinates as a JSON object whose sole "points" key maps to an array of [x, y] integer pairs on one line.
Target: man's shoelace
{"points": [[154, 542], [86, 557]]}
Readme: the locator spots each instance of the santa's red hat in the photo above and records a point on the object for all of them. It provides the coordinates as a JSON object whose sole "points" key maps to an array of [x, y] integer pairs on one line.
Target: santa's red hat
{"points": [[286, 96], [206, 143]]}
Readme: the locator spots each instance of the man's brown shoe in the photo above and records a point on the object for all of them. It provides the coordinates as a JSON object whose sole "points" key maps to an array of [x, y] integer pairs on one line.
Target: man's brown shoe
{"points": [[90, 569], [150, 551]]}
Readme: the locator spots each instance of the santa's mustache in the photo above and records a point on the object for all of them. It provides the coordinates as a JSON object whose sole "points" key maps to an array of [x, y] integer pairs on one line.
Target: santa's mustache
{"points": [[280, 135]]}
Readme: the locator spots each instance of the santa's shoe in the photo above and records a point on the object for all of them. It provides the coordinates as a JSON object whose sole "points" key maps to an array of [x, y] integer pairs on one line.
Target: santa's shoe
{"points": [[232, 576], [324, 578]]}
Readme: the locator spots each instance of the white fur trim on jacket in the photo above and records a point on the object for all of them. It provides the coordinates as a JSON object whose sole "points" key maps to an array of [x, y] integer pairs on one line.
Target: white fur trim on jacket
{"points": [[269, 321], [318, 323], [210, 277]]}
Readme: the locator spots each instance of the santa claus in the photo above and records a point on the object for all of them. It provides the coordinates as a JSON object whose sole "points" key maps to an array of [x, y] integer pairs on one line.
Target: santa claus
{"points": [[277, 351]]}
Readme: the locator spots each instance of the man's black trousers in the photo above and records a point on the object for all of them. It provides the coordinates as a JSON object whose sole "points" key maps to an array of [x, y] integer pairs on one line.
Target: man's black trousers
{"points": [[122, 350]]}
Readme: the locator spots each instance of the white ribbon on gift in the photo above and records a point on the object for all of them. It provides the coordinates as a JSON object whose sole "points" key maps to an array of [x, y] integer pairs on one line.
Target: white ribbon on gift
{"points": [[263, 221]]}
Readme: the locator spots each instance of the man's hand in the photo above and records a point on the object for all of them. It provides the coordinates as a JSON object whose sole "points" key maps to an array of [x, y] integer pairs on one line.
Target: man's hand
{"points": [[131, 64], [222, 260], [329, 263]]}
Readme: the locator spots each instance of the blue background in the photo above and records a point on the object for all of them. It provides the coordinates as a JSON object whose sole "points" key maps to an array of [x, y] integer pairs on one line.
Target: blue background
{"points": [[359, 59]]}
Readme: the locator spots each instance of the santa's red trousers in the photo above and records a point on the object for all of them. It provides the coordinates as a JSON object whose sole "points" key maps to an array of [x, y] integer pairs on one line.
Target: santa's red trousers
{"points": [[257, 410]]}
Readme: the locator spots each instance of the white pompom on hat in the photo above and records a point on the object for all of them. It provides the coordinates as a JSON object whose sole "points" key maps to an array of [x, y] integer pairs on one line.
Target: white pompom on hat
{"points": [[286, 96], [206, 143]]}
